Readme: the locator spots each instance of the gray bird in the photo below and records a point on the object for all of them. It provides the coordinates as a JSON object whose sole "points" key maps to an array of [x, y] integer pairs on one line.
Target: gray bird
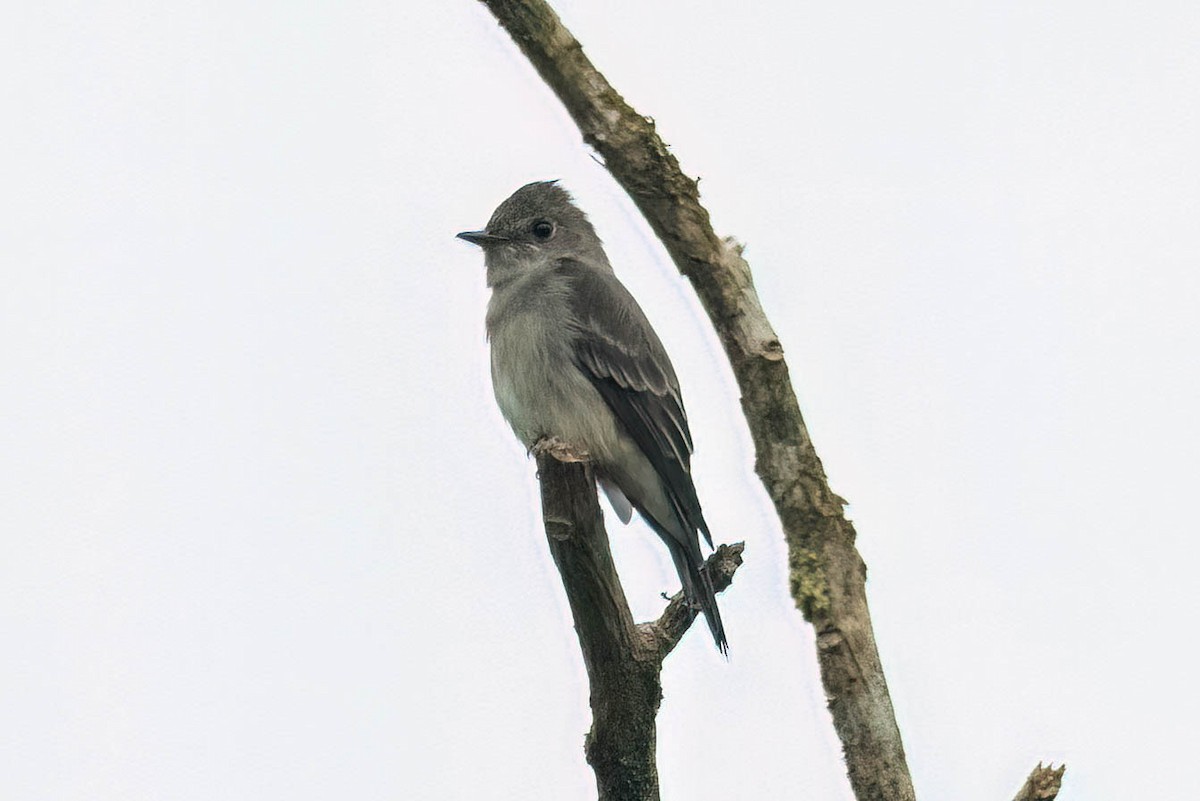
{"points": [[575, 359]]}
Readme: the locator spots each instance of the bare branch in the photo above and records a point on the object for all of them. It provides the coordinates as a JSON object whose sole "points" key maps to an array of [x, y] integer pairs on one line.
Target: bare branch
{"points": [[623, 660]]}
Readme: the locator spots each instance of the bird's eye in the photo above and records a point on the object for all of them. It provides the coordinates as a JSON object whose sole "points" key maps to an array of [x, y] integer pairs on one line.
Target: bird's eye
{"points": [[543, 229]]}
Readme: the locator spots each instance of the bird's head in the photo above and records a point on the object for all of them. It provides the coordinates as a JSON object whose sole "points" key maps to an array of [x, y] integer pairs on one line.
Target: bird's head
{"points": [[536, 225]]}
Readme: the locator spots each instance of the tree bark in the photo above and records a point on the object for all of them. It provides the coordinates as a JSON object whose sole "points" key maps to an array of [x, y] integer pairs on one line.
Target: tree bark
{"points": [[827, 574], [623, 659]]}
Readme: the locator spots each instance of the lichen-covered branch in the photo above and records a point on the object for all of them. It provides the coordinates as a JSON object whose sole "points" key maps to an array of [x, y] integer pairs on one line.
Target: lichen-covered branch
{"points": [[623, 659]]}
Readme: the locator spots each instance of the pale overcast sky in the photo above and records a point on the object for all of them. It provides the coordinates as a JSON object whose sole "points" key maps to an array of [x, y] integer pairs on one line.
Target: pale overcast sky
{"points": [[265, 535]]}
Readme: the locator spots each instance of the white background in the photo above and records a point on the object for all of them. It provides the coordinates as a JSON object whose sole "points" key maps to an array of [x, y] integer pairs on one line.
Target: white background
{"points": [[265, 536]]}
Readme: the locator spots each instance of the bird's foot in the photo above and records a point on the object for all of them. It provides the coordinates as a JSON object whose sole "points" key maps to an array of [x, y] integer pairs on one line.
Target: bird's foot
{"points": [[560, 450]]}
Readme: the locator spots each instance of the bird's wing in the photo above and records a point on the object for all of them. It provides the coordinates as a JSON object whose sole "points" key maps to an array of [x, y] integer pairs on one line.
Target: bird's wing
{"points": [[617, 349]]}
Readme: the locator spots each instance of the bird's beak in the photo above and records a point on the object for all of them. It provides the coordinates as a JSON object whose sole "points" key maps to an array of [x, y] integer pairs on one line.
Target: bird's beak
{"points": [[482, 238]]}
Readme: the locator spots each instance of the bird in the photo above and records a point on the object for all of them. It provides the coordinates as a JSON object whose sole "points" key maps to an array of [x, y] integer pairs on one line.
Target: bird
{"points": [[575, 361]]}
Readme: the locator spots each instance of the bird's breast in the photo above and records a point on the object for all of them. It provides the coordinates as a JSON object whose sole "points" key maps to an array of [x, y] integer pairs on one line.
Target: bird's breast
{"points": [[541, 391]]}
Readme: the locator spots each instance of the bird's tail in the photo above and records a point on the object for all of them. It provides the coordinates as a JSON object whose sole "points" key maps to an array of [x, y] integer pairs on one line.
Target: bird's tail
{"points": [[698, 589]]}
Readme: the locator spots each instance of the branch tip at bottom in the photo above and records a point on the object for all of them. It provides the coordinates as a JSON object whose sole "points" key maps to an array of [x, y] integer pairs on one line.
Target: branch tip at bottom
{"points": [[1043, 783]]}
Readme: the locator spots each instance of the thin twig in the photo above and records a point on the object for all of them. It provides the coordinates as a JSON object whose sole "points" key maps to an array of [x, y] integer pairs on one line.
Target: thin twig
{"points": [[666, 632]]}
